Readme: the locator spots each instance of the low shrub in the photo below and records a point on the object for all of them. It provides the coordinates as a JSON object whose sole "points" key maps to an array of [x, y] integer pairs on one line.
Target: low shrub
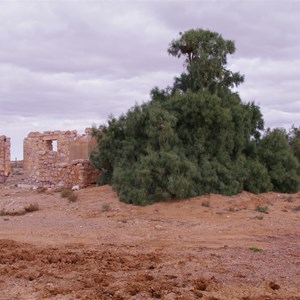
{"points": [[255, 249], [72, 197], [69, 194], [105, 207], [66, 193], [262, 209], [32, 207], [206, 203], [27, 209], [296, 208]]}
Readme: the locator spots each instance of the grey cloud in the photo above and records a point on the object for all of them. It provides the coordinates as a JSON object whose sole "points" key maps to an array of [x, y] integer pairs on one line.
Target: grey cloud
{"points": [[72, 63], [271, 83], [65, 95], [76, 37], [260, 28]]}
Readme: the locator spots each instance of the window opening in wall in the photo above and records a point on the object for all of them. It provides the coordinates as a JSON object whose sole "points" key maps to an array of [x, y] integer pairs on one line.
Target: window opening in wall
{"points": [[52, 145]]}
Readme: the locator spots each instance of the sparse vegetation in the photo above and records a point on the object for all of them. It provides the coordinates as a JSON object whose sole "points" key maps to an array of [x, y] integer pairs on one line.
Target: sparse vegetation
{"points": [[27, 209], [3, 212], [289, 199], [41, 190], [259, 217], [72, 198], [255, 249], [65, 193], [105, 207], [69, 194], [296, 208], [206, 203], [262, 209], [32, 207]]}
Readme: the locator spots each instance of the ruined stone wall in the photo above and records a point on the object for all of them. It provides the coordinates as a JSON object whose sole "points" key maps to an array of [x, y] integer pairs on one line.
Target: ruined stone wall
{"points": [[59, 158], [4, 157]]}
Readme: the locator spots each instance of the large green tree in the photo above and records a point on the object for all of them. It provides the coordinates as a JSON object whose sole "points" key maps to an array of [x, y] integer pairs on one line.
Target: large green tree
{"points": [[194, 138]]}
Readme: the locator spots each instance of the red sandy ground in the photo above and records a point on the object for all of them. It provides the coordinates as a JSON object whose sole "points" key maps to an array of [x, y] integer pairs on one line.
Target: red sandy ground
{"points": [[100, 248]]}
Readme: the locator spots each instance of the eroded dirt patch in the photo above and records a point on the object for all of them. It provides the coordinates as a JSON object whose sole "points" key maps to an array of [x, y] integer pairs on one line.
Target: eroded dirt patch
{"points": [[99, 248]]}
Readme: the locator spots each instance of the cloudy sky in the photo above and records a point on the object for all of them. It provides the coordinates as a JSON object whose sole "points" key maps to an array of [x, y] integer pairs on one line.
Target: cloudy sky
{"points": [[68, 64]]}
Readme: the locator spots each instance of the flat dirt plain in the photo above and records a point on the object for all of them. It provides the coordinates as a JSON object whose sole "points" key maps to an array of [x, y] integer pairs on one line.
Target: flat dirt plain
{"points": [[210, 247]]}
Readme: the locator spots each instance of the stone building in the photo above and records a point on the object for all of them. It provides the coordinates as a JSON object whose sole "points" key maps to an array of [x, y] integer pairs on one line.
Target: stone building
{"points": [[4, 157], [59, 158]]}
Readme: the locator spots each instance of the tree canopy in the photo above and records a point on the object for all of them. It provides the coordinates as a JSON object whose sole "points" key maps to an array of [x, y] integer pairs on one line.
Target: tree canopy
{"points": [[196, 137], [205, 54]]}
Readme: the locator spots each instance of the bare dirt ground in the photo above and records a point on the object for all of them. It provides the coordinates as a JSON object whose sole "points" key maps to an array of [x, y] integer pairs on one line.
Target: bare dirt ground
{"points": [[210, 247]]}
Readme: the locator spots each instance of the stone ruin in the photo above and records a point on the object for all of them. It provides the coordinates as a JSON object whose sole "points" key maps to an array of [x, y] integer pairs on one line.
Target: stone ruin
{"points": [[59, 158], [4, 158]]}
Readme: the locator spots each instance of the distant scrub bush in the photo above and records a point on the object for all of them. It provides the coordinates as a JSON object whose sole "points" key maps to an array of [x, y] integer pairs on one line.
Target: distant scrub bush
{"points": [[68, 193], [105, 207], [262, 209], [296, 208], [255, 249], [72, 198], [32, 207]]}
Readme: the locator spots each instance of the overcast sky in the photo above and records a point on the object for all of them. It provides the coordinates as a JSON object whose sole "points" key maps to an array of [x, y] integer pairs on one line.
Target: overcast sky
{"points": [[70, 64]]}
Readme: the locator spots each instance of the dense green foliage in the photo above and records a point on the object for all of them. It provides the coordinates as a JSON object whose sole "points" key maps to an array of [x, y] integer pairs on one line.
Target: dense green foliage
{"points": [[205, 55], [282, 165], [195, 138], [294, 141]]}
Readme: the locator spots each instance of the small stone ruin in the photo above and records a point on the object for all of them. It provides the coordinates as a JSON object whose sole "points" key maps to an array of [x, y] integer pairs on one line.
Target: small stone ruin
{"points": [[4, 158], [59, 158]]}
